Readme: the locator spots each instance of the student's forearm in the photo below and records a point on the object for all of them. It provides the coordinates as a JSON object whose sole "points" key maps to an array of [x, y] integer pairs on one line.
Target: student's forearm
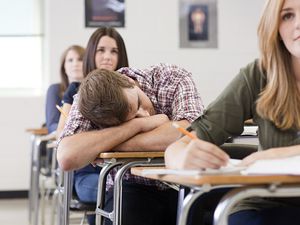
{"points": [[62, 119], [155, 140], [273, 153], [78, 150]]}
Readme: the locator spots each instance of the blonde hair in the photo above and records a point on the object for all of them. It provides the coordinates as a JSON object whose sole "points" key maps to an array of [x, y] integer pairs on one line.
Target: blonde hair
{"points": [[279, 101]]}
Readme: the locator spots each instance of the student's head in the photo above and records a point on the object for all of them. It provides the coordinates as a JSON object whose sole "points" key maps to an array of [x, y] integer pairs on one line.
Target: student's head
{"points": [[105, 50], [279, 42], [71, 65], [108, 98]]}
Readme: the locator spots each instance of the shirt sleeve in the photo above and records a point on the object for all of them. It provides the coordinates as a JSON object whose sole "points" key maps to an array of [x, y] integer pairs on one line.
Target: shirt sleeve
{"points": [[70, 92], [226, 115], [187, 103], [52, 114], [76, 122]]}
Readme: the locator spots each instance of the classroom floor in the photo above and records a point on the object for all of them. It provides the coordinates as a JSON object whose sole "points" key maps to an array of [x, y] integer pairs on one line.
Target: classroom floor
{"points": [[15, 212]]}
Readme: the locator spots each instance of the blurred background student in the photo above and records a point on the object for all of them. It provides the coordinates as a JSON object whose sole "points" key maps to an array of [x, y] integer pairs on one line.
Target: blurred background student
{"points": [[70, 71]]}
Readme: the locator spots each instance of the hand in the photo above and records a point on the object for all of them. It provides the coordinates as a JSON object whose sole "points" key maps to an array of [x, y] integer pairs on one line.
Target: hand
{"points": [[200, 154], [96, 162], [151, 122], [272, 153]]}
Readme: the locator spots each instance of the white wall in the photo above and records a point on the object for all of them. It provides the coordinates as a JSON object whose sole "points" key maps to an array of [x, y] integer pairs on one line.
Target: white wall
{"points": [[151, 36]]}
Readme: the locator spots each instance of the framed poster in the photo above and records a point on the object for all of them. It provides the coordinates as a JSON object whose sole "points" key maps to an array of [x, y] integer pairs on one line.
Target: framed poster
{"points": [[198, 24], [104, 13]]}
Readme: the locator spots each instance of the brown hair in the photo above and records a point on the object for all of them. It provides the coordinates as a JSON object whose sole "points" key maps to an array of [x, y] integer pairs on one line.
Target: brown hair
{"points": [[280, 99], [89, 63], [102, 99], [63, 76]]}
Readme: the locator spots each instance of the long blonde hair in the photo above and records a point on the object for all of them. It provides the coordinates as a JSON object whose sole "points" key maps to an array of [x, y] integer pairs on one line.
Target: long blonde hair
{"points": [[279, 101]]}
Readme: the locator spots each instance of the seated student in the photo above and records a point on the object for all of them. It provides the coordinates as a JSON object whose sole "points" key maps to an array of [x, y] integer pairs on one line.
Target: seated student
{"points": [[70, 71], [105, 50], [267, 90], [114, 113]]}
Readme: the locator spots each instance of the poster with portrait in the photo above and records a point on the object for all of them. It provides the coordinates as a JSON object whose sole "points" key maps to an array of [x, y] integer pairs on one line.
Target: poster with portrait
{"points": [[198, 24], [105, 13]]}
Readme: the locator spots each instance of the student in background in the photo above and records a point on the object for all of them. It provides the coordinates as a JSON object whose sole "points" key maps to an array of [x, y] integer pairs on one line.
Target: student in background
{"points": [[267, 90], [70, 71], [113, 112], [105, 50]]}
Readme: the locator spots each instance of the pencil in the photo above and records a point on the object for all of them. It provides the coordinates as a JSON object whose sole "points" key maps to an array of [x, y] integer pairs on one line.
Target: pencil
{"points": [[61, 111], [184, 131]]}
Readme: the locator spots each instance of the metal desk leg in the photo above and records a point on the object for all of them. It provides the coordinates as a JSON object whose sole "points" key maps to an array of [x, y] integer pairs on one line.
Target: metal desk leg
{"points": [[35, 192], [30, 194], [187, 203], [233, 197], [117, 204], [68, 185], [101, 191], [181, 194], [189, 200]]}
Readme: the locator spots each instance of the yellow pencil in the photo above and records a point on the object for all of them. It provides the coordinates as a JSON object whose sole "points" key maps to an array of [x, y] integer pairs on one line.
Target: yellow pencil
{"points": [[184, 131], [61, 111]]}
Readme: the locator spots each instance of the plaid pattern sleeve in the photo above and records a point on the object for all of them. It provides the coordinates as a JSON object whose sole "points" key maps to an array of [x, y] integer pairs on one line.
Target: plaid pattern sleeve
{"points": [[76, 123], [187, 103]]}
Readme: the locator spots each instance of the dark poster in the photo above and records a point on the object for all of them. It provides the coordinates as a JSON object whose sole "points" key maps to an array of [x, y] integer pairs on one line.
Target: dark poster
{"points": [[104, 13]]}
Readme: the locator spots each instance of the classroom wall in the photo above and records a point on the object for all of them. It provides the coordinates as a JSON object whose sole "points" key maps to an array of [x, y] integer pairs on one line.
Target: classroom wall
{"points": [[151, 36]]}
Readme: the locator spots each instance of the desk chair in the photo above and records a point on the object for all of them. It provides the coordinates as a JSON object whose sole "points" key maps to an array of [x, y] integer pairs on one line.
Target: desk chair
{"points": [[67, 201], [125, 160], [39, 168]]}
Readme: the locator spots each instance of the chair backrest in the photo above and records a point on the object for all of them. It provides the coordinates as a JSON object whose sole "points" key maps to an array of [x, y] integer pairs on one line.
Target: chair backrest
{"points": [[238, 151]]}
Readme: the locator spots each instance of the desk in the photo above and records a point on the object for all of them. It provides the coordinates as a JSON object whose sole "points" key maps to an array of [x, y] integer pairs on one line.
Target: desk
{"points": [[37, 136], [125, 160], [245, 187]]}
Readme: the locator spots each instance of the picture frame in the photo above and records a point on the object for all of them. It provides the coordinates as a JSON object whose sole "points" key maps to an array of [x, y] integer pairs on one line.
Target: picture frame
{"points": [[104, 13], [198, 24]]}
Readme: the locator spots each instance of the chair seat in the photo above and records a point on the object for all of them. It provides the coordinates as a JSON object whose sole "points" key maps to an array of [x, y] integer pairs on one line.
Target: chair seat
{"points": [[77, 205]]}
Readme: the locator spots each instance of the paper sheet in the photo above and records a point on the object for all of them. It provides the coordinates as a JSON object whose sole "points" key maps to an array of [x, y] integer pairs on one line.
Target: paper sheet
{"points": [[284, 166], [230, 168]]}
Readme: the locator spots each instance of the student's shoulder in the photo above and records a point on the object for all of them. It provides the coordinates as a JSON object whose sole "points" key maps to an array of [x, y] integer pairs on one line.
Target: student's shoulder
{"points": [[54, 88], [254, 75], [253, 70]]}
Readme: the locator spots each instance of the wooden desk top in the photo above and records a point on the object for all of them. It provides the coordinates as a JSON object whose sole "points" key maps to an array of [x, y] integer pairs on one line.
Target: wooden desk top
{"points": [[37, 131], [110, 155], [224, 179]]}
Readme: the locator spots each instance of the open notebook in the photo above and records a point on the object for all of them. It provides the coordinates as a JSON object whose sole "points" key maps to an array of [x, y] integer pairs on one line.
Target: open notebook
{"points": [[230, 168], [284, 166]]}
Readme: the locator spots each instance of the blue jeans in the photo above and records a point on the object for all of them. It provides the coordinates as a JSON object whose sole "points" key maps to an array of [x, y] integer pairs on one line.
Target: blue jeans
{"points": [[271, 216], [86, 187]]}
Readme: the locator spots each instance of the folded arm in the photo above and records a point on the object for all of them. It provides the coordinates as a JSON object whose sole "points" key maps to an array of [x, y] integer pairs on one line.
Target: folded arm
{"points": [[272, 153], [154, 140], [78, 150]]}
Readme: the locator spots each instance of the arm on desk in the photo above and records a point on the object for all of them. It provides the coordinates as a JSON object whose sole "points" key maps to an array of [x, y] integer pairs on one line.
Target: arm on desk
{"points": [[194, 154], [62, 119], [157, 139], [272, 153], [80, 149]]}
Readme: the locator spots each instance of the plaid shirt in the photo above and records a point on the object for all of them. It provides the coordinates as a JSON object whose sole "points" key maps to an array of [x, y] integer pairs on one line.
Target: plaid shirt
{"points": [[171, 91]]}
